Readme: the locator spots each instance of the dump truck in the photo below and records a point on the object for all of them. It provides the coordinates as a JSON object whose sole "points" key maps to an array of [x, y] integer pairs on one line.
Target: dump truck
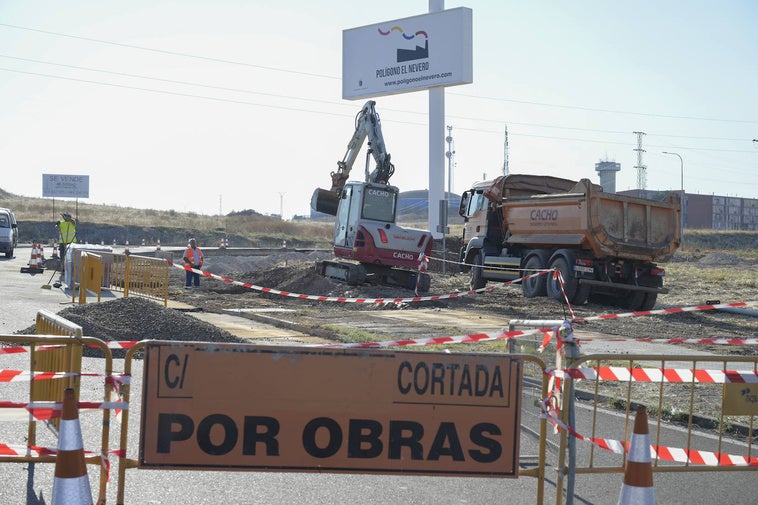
{"points": [[604, 245]]}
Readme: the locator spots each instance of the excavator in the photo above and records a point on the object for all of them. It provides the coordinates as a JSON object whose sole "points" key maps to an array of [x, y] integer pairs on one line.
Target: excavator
{"points": [[369, 245]]}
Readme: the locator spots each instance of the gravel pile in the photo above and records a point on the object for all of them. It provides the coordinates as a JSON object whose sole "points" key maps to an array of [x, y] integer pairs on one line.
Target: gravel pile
{"points": [[228, 265], [719, 259], [134, 319]]}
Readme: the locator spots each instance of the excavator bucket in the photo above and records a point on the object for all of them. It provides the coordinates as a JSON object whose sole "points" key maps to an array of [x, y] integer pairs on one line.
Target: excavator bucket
{"points": [[325, 201]]}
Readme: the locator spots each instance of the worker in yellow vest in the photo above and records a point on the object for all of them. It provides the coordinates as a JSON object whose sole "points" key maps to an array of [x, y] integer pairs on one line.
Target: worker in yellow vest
{"points": [[66, 234], [193, 258]]}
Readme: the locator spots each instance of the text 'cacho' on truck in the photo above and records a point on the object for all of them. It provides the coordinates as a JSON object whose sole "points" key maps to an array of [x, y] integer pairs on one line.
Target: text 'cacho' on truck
{"points": [[603, 244]]}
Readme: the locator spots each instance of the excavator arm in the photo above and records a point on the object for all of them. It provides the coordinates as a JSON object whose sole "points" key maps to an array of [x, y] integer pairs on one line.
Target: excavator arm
{"points": [[367, 125]]}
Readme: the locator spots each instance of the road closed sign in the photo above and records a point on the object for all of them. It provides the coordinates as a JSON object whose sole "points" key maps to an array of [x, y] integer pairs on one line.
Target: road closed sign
{"points": [[301, 409]]}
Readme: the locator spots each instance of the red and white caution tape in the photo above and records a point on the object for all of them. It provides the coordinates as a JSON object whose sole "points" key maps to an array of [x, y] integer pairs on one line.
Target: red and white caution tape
{"points": [[113, 344], [704, 341], [463, 339], [14, 450], [15, 411], [688, 456], [341, 299], [27, 376], [24, 450], [624, 374], [672, 310]]}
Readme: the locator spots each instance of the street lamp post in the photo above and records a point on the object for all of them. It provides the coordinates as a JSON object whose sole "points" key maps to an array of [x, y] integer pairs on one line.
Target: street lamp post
{"points": [[681, 166]]}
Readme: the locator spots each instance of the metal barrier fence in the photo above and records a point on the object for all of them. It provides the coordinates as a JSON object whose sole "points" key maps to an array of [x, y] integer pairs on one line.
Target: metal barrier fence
{"points": [[61, 354], [67, 358], [533, 368], [691, 392], [713, 392], [130, 274]]}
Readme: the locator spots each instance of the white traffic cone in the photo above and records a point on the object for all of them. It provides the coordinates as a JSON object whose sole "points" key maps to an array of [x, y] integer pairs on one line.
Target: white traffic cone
{"points": [[637, 488], [71, 485]]}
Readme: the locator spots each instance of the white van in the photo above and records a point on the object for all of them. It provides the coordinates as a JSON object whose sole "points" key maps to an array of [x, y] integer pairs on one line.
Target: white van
{"points": [[8, 232]]}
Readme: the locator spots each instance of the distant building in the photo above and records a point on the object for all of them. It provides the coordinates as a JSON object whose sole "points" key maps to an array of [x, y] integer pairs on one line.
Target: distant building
{"points": [[607, 172], [416, 204], [711, 211]]}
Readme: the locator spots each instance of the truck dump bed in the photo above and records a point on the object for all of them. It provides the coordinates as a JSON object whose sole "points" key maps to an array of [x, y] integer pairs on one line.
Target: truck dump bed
{"points": [[541, 211]]}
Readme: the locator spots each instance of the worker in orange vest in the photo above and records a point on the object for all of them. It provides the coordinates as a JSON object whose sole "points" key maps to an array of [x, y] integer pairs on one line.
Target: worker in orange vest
{"points": [[193, 258]]}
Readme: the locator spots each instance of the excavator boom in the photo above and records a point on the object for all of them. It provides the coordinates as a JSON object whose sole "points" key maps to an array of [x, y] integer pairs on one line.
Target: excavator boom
{"points": [[367, 125]]}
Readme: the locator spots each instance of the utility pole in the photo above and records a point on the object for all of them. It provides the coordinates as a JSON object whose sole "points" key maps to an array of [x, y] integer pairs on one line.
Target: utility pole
{"points": [[641, 169], [281, 206], [450, 154], [506, 168], [681, 182], [444, 206]]}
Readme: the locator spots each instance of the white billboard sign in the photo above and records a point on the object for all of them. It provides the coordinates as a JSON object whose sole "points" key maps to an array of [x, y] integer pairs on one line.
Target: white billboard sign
{"points": [[408, 54], [65, 186]]}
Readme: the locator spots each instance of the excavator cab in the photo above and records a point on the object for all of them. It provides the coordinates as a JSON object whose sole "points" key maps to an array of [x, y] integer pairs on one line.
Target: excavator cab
{"points": [[363, 205]]}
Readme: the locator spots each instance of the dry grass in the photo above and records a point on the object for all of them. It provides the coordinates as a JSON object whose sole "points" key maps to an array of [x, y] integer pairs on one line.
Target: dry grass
{"points": [[249, 224]]}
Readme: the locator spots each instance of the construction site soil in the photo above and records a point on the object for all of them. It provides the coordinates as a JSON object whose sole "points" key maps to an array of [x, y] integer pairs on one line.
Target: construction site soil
{"points": [[134, 318], [137, 319]]}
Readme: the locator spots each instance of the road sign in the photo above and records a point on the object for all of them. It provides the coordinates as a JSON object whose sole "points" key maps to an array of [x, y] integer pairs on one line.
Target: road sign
{"points": [[307, 409], [62, 185]]}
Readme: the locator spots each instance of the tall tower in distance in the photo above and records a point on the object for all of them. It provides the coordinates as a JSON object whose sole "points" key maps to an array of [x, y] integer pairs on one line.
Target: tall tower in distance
{"points": [[641, 169], [607, 172], [506, 169]]}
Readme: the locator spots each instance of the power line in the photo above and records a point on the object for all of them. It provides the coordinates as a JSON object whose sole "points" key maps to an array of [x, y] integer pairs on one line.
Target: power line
{"points": [[310, 74], [595, 109], [297, 109], [171, 53], [176, 93], [330, 102], [170, 81]]}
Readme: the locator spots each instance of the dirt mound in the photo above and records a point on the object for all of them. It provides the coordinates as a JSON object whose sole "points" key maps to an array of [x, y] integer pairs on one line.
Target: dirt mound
{"points": [[719, 258], [134, 319]]}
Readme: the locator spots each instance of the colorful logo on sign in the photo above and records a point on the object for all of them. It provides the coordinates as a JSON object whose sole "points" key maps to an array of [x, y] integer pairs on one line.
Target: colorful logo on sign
{"points": [[418, 53]]}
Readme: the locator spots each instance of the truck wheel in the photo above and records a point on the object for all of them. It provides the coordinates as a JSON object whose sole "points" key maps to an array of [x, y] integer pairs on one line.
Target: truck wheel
{"points": [[477, 280], [535, 286], [582, 294], [633, 300], [649, 301], [424, 283], [569, 281], [463, 266]]}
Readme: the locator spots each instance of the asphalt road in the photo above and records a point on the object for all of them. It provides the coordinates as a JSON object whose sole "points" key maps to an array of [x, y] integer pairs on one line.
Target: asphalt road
{"points": [[22, 296]]}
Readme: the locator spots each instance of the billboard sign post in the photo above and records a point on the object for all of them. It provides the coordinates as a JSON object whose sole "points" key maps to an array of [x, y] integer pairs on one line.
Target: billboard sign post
{"points": [[408, 54], [65, 186]]}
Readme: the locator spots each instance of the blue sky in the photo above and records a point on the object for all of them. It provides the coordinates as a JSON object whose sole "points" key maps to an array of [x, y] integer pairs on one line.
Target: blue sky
{"points": [[231, 105]]}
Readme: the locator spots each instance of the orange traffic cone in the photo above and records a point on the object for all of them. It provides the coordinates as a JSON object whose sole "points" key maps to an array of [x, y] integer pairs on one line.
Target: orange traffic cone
{"points": [[638, 488], [35, 265], [71, 485], [34, 259], [158, 248]]}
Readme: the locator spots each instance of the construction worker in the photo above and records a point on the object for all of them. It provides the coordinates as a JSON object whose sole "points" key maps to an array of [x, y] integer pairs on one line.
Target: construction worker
{"points": [[66, 235], [193, 258]]}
